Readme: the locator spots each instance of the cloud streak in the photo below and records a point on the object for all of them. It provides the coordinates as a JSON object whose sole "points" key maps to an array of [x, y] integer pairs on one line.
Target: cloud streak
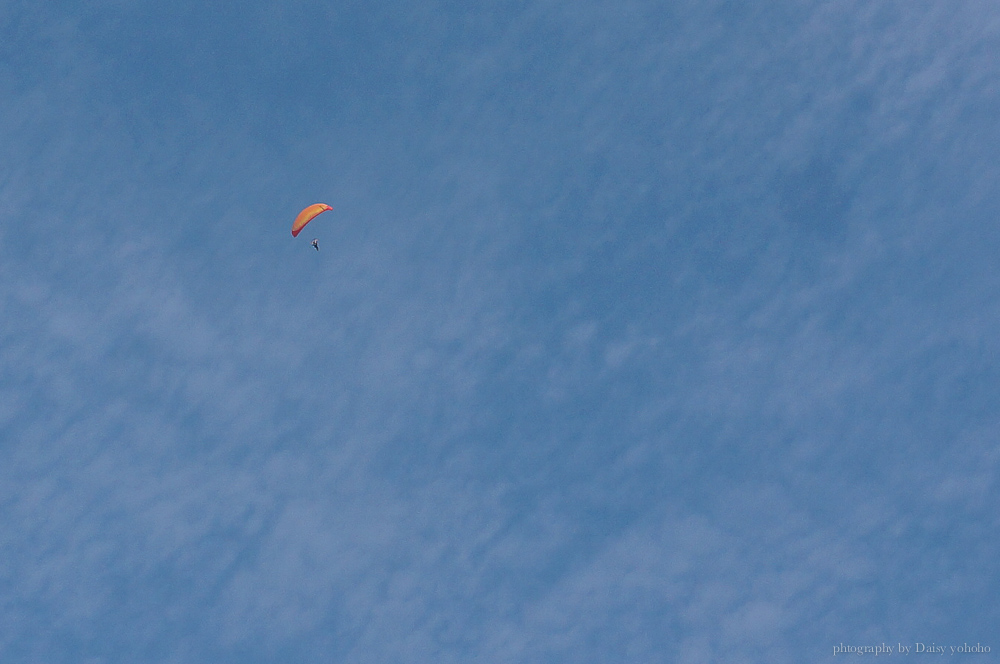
{"points": [[636, 335]]}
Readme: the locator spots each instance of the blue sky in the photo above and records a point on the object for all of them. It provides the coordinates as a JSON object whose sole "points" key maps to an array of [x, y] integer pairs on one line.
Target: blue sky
{"points": [[640, 331]]}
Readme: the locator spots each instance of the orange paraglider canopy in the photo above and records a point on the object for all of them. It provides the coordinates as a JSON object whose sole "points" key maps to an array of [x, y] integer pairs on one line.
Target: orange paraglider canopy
{"points": [[307, 215]]}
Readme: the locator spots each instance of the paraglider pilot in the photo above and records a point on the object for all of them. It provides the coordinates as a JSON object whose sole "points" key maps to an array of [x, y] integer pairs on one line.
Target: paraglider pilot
{"points": [[315, 243]]}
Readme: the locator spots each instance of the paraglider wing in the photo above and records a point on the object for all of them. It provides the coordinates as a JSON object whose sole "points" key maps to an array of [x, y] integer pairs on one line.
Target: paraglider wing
{"points": [[307, 215]]}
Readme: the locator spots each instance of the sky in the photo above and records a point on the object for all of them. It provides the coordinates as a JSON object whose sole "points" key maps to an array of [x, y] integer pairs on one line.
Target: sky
{"points": [[640, 331]]}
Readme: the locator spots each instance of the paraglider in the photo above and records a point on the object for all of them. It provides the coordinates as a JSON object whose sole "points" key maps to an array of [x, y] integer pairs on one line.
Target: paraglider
{"points": [[315, 243], [307, 215]]}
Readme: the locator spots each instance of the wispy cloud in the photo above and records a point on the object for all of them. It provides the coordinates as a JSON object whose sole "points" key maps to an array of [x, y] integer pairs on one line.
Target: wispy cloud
{"points": [[636, 335]]}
